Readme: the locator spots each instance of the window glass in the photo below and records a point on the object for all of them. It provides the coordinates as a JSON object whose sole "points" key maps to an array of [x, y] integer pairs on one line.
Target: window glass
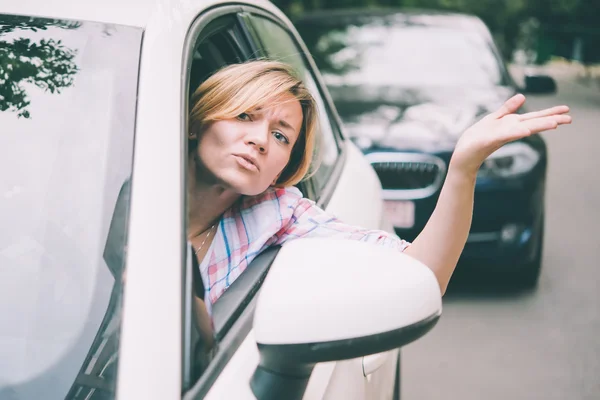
{"points": [[279, 45], [67, 112]]}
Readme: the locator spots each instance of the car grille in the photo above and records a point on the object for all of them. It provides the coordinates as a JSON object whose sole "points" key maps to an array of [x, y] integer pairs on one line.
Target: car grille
{"points": [[409, 172], [406, 175]]}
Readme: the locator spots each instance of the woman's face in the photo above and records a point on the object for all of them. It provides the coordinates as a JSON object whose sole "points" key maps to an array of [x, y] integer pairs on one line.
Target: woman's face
{"points": [[248, 153]]}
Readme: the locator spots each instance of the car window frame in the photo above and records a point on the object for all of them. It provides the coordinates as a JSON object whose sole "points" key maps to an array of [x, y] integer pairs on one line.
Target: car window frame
{"points": [[323, 194]]}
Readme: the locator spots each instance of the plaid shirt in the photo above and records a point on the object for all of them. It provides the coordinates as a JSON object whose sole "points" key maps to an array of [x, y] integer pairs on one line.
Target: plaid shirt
{"points": [[272, 218]]}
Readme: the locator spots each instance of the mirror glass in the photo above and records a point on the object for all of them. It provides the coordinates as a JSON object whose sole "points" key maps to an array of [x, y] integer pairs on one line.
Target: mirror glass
{"points": [[540, 84]]}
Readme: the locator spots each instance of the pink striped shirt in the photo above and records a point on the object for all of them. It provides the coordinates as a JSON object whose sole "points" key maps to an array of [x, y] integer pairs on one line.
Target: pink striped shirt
{"points": [[272, 218]]}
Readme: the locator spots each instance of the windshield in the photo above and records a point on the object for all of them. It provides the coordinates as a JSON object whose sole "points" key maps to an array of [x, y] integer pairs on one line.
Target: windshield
{"points": [[386, 52], [67, 112]]}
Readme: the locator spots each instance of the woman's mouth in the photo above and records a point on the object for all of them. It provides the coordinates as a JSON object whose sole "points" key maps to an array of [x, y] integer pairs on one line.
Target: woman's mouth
{"points": [[246, 162]]}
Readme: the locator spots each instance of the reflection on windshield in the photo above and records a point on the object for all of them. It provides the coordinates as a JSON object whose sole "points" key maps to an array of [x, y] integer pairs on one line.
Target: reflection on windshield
{"points": [[45, 63], [67, 103], [380, 53]]}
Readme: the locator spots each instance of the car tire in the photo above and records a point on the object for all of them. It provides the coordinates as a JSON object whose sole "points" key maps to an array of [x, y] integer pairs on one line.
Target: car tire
{"points": [[397, 387], [530, 272]]}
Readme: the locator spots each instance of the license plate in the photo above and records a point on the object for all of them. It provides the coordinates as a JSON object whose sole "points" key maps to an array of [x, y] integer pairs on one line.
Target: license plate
{"points": [[401, 213]]}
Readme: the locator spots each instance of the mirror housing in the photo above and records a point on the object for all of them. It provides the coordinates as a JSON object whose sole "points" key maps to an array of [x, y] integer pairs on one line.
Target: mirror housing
{"points": [[539, 84], [331, 299]]}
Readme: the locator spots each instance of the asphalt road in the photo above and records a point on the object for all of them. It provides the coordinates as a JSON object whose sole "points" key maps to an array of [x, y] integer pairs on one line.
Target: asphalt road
{"points": [[496, 343]]}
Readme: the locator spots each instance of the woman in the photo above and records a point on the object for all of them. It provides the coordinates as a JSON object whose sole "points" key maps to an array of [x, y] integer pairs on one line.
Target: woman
{"points": [[252, 134]]}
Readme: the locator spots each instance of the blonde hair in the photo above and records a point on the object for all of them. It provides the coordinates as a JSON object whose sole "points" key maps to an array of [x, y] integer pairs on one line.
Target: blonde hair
{"points": [[244, 87]]}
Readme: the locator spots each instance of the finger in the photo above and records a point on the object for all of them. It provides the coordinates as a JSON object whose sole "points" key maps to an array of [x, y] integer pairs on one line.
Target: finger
{"points": [[510, 106], [546, 123], [563, 119], [545, 113]]}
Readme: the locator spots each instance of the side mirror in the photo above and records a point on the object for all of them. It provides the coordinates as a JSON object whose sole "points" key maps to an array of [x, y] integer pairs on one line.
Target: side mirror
{"points": [[539, 84], [330, 299]]}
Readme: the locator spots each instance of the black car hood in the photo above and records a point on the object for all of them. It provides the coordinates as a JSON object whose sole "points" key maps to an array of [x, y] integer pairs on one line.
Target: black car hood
{"points": [[413, 119]]}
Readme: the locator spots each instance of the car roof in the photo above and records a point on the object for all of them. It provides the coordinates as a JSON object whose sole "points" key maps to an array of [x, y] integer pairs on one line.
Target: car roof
{"points": [[123, 12], [409, 16]]}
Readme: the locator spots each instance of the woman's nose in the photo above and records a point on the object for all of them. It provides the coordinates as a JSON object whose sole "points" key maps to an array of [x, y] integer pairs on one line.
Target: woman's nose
{"points": [[258, 137]]}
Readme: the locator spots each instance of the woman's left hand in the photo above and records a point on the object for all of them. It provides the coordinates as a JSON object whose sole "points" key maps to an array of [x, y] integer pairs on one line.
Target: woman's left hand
{"points": [[501, 127]]}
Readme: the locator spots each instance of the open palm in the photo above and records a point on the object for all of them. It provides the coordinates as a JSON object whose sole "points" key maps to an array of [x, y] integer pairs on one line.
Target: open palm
{"points": [[501, 127]]}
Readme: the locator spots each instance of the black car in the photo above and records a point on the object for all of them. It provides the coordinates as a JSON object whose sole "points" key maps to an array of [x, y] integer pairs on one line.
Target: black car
{"points": [[406, 84]]}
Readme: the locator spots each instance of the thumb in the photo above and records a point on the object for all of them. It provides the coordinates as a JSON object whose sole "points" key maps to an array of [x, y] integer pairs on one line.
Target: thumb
{"points": [[510, 106]]}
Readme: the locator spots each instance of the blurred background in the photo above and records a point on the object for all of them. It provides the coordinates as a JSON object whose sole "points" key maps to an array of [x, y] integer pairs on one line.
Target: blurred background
{"points": [[542, 29], [522, 315]]}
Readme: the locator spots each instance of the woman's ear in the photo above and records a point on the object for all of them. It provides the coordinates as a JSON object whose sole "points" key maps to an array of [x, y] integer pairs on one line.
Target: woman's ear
{"points": [[194, 130], [192, 141]]}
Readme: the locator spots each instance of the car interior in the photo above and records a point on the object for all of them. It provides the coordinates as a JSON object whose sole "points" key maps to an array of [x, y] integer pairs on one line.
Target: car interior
{"points": [[214, 50]]}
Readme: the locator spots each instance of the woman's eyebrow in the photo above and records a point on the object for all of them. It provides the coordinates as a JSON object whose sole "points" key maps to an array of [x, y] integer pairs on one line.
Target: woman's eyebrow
{"points": [[285, 125]]}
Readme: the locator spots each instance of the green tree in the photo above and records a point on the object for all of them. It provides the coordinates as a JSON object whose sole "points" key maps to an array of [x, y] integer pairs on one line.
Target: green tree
{"points": [[564, 22], [47, 63]]}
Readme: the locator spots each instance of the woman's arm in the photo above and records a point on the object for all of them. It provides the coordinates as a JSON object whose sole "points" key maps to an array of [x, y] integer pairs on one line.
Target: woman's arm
{"points": [[443, 238], [441, 242]]}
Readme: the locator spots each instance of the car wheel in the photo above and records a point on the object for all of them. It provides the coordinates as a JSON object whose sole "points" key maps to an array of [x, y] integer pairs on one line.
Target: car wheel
{"points": [[397, 386], [530, 272]]}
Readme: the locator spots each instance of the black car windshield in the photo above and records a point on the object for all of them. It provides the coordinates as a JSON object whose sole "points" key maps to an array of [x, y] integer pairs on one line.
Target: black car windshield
{"points": [[381, 52], [67, 112]]}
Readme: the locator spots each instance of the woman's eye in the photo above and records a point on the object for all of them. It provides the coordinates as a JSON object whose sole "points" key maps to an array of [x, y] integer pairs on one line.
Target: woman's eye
{"points": [[244, 117], [281, 137]]}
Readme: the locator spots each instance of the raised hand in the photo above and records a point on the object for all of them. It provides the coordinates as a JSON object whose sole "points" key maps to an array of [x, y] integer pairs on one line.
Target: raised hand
{"points": [[501, 127]]}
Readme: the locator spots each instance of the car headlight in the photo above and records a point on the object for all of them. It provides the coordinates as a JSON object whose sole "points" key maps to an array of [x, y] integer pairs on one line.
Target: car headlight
{"points": [[510, 160]]}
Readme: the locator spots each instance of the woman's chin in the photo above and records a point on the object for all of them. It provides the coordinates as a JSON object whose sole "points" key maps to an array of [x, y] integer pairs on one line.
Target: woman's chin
{"points": [[242, 183], [245, 188]]}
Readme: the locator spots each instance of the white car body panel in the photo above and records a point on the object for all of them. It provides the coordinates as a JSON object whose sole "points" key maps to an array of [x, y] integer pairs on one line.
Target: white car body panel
{"points": [[233, 381], [150, 352], [357, 198], [149, 14]]}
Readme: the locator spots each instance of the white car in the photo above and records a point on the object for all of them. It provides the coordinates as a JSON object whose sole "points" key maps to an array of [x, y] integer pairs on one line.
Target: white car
{"points": [[93, 101]]}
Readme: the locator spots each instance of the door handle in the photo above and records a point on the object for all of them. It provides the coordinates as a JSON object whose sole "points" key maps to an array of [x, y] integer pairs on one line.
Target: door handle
{"points": [[373, 362]]}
